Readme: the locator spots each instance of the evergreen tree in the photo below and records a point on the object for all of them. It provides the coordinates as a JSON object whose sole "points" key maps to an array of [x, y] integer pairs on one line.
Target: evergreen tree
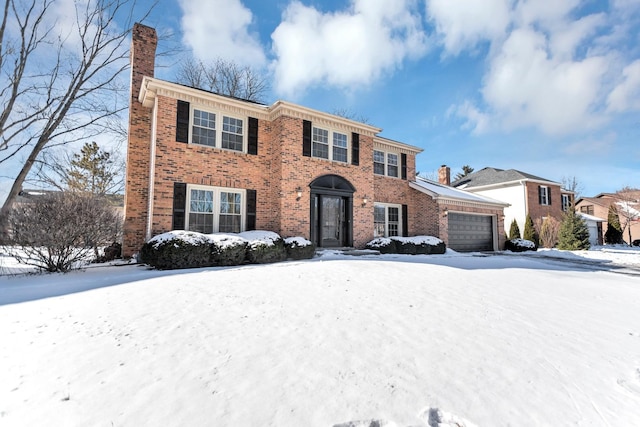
{"points": [[466, 170], [91, 171], [613, 235], [574, 234], [530, 232], [514, 230]]}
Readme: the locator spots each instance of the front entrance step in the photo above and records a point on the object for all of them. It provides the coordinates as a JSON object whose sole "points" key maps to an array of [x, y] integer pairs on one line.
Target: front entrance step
{"points": [[347, 251]]}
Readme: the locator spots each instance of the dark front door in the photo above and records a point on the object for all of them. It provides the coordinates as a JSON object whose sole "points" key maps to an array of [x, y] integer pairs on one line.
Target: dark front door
{"points": [[332, 221]]}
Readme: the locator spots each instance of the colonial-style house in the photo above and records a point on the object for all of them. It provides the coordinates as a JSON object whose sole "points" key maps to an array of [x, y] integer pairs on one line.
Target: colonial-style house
{"points": [[201, 161], [525, 193]]}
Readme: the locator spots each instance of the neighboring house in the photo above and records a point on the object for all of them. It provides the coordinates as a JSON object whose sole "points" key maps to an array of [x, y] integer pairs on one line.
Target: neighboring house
{"points": [[594, 224], [599, 206], [205, 162], [525, 193]]}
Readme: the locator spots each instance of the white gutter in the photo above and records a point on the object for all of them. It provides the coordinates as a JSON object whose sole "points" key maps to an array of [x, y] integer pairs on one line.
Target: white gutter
{"points": [[152, 168]]}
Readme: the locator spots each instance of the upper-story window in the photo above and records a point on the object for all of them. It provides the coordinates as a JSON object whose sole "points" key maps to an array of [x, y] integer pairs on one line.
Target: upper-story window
{"points": [[544, 195], [588, 209], [327, 144], [206, 130], [385, 163], [566, 202]]}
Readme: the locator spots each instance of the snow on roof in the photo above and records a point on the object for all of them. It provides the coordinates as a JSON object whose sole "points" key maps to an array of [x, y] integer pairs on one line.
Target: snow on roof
{"points": [[437, 190], [591, 217]]}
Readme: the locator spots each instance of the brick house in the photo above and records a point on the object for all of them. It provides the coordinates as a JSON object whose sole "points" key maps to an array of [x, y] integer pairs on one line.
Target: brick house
{"points": [[525, 193], [201, 161], [598, 206]]}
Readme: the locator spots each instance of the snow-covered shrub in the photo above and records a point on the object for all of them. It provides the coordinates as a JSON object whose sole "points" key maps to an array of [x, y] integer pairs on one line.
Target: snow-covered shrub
{"points": [[519, 245], [177, 249], [299, 248], [227, 249], [408, 245], [264, 247], [384, 245]]}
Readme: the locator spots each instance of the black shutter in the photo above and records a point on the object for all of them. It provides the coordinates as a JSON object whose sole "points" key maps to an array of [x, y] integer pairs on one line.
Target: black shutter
{"points": [[539, 194], [179, 205], [403, 165], [182, 122], [405, 221], [251, 210], [355, 149], [306, 138], [252, 141], [549, 195]]}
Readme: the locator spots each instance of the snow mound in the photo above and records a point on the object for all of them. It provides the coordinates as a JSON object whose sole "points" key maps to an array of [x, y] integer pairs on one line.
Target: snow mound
{"points": [[524, 243], [190, 237], [223, 240], [260, 237], [297, 242], [416, 240]]}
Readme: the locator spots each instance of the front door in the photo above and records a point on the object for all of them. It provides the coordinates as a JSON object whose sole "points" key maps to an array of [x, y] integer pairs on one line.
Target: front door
{"points": [[331, 224]]}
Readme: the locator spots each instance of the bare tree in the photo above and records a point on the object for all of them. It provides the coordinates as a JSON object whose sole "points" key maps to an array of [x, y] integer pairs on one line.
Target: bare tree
{"points": [[57, 231], [351, 115], [572, 184], [628, 206], [224, 77], [63, 76]]}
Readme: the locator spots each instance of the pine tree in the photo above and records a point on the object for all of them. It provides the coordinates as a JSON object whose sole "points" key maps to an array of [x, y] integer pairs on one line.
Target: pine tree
{"points": [[466, 170], [613, 235], [91, 171], [530, 232], [574, 233], [514, 230]]}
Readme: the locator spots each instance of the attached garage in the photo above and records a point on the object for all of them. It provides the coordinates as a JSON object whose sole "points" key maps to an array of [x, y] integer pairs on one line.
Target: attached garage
{"points": [[471, 233], [467, 222]]}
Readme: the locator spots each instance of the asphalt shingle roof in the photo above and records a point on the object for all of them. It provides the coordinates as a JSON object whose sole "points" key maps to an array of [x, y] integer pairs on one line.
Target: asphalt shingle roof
{"points": [[489, 176]]}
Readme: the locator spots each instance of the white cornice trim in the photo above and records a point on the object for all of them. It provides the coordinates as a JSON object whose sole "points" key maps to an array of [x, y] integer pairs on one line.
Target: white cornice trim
{"points": [[384, 144]]}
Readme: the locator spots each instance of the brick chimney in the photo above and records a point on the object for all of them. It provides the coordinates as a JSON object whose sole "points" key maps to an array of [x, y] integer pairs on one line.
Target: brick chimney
{"points": [[444, 175], [143, 54]]}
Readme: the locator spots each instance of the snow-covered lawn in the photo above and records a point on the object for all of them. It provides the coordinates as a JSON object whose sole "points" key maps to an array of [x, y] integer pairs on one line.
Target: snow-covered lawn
{"points": [[490, 341]]}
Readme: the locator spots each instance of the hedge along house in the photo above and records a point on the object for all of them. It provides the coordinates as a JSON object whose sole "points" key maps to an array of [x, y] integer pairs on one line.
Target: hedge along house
{"points": [[205, 162]]}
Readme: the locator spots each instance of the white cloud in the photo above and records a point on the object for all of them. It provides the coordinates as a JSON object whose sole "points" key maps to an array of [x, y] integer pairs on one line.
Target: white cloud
{"points": [[220, 28], [546, 69], [346, 48], [463, 24], [626, 95]]}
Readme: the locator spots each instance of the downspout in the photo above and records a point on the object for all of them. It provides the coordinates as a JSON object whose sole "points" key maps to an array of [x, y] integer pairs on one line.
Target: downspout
{"points": [[152, 168]]}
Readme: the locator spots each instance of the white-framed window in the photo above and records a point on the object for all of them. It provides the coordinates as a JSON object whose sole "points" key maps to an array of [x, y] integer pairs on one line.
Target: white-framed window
{"points": [[385, 163], [214, 209], [217, 130], [326, 144], [544, 195], [566, 202], [387, 220]]}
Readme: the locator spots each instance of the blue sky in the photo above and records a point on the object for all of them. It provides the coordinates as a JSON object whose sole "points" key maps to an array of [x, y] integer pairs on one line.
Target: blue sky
{"points": [[549, 87]]}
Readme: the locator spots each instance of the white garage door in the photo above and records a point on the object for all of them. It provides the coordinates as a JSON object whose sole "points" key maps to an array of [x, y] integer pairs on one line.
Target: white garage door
{"points": [[470, 233]]}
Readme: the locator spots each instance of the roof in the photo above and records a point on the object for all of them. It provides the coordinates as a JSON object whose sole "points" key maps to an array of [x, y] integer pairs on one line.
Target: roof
{"points": [[444, 192], [491, 176]]}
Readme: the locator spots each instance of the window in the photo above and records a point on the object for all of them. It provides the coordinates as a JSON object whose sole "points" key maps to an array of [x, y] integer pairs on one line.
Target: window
{"points": [[205, 130], [378, 162], [213, 209], [386, 220], [587, 209], [392, 165], [544, 195], [232, 133], [566, 202], [329, 145], [385, 163], [339, 147]]}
